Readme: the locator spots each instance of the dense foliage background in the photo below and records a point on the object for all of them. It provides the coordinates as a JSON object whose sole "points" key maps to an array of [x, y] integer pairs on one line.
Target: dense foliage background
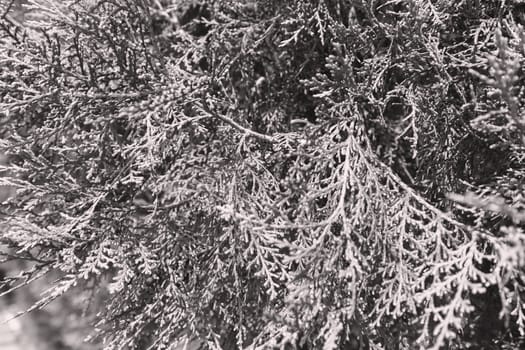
{"points": [[258, 174]]}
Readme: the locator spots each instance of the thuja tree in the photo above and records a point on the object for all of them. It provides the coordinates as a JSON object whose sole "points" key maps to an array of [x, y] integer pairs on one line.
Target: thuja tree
{"points": [[308, 174]]}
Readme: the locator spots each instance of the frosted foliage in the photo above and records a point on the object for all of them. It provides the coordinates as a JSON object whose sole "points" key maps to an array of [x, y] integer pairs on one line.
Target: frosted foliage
{"points": [[264, 174]]}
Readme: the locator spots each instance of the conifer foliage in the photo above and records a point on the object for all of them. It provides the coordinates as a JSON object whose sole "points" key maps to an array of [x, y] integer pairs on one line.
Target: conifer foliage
{"points": [[267, 174]]}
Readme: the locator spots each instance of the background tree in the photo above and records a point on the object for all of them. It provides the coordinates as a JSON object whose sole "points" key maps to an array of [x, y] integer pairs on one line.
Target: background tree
{"points": [[271, 174]]}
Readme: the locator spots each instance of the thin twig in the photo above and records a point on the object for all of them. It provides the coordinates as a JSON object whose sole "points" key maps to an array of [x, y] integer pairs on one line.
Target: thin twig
{"points": [[8, 8], [237, 126]]}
